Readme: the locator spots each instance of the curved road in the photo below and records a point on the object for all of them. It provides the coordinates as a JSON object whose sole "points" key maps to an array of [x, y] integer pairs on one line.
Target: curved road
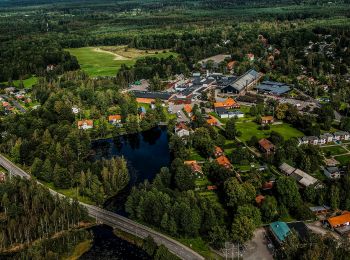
{"points": [[116, 221]]}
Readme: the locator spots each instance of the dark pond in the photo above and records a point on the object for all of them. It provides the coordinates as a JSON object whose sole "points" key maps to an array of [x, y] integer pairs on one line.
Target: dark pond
{"points": [[146, 153], [108, 246]]}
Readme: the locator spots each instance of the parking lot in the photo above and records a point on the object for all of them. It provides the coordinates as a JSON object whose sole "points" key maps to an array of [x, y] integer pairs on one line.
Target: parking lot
{"points": [[257, 248], [180, 115]]}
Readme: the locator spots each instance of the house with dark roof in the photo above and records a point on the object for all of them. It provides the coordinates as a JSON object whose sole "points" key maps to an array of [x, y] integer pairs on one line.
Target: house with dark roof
{"points": [[273, 88], [332, 172], [164, 96], [320, 210], [226, 113], [242, 83]]}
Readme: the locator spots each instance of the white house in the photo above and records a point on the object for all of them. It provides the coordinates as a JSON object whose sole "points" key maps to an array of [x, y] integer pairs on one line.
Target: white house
{"points": [[328, 137], [182, 130], [341, 135], [309, 140]]}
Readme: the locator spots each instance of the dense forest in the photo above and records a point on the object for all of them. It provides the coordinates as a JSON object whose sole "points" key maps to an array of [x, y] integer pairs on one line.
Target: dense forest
{"points": [[31, 215], [48, 140]]}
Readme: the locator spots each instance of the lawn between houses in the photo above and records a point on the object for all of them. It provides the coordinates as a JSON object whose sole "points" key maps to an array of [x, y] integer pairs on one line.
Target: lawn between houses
{"points": [[107, 60]]}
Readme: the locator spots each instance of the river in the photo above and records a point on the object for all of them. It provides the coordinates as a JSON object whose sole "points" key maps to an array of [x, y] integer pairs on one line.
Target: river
{"points": [[146, 153]]}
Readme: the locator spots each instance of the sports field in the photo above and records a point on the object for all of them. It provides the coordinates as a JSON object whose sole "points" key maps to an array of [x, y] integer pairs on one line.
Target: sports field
{"points": [[106, 60]]}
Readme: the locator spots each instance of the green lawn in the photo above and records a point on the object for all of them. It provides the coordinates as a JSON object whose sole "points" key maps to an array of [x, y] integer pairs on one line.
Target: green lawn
{"points": [[333, 150], [343, 159], [97, 63], [248, 129], [200, 247], [70, 193], [195, 156], [28, 83]]}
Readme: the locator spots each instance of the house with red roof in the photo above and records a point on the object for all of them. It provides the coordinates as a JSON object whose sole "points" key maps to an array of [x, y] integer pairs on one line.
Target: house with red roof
{"points": [[267, 120], [85, 124], [114, 119], [224, 162], [195, 167], [188, 109], [266, 146], [218, 151]]}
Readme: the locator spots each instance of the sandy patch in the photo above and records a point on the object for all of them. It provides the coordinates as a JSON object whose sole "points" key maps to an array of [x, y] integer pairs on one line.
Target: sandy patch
{"points": [[116, 56]]}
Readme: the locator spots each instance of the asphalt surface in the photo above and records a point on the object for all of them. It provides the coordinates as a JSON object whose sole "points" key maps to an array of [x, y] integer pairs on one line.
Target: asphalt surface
{"points": [[116, 221]]}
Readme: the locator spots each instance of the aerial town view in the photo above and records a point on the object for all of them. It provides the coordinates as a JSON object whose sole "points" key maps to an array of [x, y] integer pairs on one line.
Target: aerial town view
{"points": [[175, 129]]}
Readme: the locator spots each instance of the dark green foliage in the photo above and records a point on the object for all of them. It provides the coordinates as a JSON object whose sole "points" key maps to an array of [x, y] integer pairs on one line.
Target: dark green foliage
{"points": [[30, 212]]}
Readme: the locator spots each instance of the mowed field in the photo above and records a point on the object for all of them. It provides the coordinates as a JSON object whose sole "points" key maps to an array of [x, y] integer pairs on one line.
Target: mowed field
{"points": [[107, 60], [248, 129]]}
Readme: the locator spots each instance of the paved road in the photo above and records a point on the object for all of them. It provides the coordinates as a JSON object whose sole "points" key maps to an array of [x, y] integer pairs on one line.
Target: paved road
{"points": [[116, 221]]}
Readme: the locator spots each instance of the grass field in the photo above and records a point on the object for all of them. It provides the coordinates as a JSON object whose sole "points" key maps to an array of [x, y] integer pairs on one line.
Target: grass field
{"points": [[343, 159], [79, 250], [249, 129], [333, 150], [106, 61], [28, 83]]}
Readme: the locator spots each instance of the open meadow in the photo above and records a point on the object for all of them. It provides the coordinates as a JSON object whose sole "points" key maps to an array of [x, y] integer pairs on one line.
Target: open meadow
{"points": [[107, 60]]}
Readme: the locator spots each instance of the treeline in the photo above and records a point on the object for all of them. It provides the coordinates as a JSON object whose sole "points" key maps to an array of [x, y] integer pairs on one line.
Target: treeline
{"points": [[29, 212], [20, 59], [57, 247], [152, 68]]}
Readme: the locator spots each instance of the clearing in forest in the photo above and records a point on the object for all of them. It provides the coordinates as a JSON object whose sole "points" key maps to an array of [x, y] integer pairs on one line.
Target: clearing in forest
{"points": [[107, 60]]}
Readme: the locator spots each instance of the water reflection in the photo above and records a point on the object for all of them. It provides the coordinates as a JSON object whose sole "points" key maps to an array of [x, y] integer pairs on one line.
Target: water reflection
{"points": [[108, 246]]}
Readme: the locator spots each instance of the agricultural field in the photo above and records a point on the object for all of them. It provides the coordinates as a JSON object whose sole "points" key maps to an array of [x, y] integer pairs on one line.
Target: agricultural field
{"points": [[107, 60]]}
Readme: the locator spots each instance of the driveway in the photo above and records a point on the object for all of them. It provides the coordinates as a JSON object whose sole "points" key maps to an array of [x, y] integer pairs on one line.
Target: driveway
{"points": [[256, 249], [175, 108]]}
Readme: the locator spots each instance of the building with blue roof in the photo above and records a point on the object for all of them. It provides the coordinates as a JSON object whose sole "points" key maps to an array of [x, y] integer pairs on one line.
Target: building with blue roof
{"points": [[279, 230], [273, 88]]}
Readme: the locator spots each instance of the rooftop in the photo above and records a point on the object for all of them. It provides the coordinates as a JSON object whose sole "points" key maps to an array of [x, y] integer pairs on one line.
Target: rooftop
{"points": [[303, 178], [287, 169], [227, 103], [274, 87], [247, 78], [223, 161], [114, 117], [152, 94], [280, 230], [266, 144], [340, 220]]}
